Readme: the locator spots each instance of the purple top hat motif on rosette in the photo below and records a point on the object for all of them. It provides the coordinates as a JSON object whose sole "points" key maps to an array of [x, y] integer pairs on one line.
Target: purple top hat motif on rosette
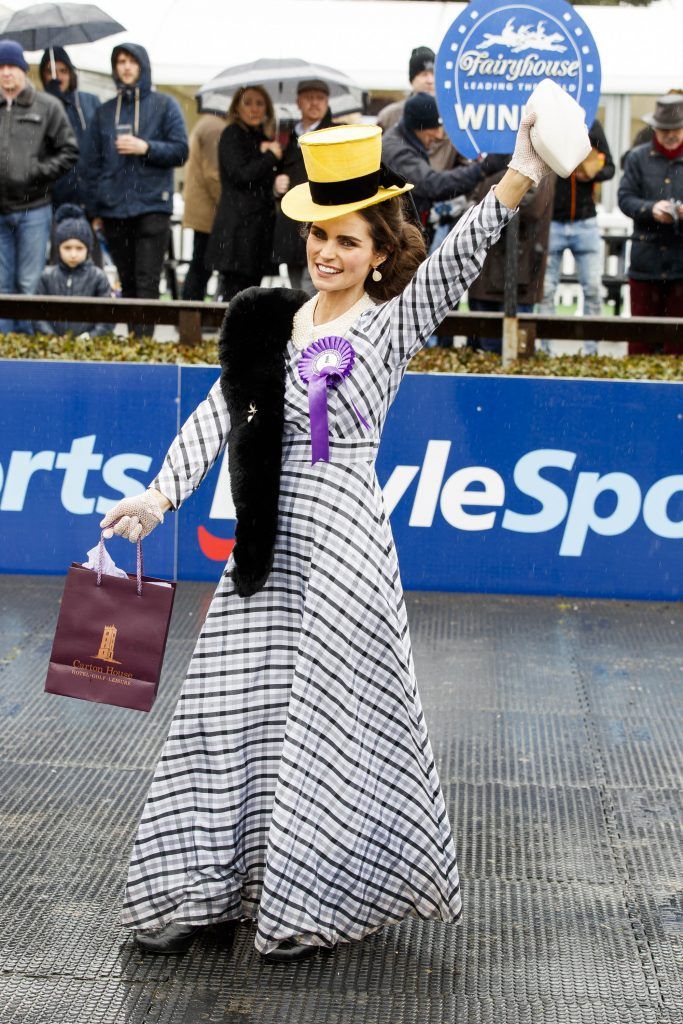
{"points": [[323, 365]]}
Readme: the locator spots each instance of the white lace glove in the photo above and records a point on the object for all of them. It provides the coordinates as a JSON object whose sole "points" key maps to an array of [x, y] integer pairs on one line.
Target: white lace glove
{"points": [[134, 518], [525, 159]]}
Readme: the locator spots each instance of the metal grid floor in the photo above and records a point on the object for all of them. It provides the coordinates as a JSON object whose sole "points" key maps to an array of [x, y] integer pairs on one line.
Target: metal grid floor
{"points": [[558, 730]]}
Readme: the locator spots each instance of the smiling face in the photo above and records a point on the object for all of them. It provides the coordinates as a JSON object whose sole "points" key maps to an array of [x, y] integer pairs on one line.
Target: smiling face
{"points": [[341, 254], [251, 108]]}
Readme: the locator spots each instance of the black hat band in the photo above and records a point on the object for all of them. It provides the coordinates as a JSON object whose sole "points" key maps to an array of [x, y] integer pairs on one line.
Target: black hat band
{"points": [[354, 190], [339, 193]]}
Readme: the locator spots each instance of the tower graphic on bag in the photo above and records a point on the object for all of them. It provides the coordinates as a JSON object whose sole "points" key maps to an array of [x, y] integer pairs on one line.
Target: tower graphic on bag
{"points": [[106, 651]]}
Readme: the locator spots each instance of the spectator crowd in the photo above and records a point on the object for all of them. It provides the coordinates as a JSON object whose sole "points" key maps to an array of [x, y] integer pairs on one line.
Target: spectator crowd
{"points": [[81, 180]]}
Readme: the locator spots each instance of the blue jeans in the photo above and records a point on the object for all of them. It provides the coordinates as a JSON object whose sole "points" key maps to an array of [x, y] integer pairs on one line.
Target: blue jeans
{"points": [[23, 248], [582, 238]]}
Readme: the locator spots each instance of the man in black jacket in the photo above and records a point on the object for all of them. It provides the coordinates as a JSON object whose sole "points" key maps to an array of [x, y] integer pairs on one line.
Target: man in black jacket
{"points": [[288, 245], [37, 146], [651, 192], [575, 227], [405, 148]]}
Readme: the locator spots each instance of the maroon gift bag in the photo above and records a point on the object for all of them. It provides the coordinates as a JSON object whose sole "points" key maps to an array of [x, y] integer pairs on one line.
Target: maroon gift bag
{"points": [[111, 636]]}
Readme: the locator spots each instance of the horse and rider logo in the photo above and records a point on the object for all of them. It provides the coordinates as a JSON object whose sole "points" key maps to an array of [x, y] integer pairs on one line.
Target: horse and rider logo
{"points": [[524, 38]]}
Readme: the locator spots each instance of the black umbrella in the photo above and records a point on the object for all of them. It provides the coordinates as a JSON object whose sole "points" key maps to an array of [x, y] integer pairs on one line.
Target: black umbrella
{"points": [[42, 26]]}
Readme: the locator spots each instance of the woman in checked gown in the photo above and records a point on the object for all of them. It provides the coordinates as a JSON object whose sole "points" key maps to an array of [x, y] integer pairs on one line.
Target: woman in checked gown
{"points": [[297, 786]]}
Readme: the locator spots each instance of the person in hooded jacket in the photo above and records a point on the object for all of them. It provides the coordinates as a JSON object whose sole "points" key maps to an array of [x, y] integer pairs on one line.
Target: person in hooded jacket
{"points": [[133, 144], [60, 79], [74, 273]]}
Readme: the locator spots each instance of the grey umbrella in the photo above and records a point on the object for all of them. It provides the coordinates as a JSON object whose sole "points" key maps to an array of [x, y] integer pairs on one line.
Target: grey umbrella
{"points": [[280, 78], [42, 26]]}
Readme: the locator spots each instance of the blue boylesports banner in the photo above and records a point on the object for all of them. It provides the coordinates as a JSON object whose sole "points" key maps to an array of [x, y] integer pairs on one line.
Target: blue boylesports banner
{"points": [[494, 484], [75, 438], [493, 56]]}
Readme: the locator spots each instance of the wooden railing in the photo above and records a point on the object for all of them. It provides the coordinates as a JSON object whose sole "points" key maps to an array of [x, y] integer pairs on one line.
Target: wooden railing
{"points": [[190, 317]]}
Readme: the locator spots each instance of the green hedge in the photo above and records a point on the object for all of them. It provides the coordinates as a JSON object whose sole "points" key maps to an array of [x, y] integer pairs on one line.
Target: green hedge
{"points": [[113, 349]]}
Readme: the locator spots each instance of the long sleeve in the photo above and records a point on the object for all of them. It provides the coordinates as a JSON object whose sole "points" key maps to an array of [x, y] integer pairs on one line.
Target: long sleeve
{"points": [[207, 143], [239, 163], [430, 185], [435, 185], [631, 196], [402, 325], [63, 147], [599, 140], [170, 148], [92, 163], [196, 448]]}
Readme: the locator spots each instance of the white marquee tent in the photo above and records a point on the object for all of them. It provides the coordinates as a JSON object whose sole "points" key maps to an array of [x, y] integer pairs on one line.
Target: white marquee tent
{"points": [[192, 40]]}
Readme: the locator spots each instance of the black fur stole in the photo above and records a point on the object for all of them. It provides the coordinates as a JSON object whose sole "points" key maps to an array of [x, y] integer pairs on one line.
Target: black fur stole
{"points": [[254, 336]]}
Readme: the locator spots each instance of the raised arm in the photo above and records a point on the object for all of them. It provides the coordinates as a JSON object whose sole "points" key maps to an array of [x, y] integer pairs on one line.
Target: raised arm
{"points": [[408, 320], [403, 324]]}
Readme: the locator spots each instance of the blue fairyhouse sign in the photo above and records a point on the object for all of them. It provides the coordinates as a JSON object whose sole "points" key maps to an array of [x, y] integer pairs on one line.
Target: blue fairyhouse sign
{"points": [[493, 56]]}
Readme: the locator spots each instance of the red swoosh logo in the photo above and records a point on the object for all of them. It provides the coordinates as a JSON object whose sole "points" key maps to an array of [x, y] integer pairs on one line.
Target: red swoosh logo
{"points": [[216, 548]]}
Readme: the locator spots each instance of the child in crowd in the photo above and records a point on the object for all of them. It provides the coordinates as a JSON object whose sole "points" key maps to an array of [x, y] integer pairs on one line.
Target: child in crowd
{"points": [[74, 273]]}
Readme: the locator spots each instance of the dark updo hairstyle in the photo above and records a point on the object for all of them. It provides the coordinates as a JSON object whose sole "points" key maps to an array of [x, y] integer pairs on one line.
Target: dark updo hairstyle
{"points": [[392, 232]]}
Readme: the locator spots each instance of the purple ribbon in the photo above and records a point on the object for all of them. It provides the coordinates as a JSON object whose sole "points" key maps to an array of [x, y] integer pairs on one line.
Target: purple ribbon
{"points": [[323, 365]]}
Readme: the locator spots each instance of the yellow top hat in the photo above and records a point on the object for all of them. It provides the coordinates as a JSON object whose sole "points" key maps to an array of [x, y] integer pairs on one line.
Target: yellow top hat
{"points": [[344, 171]]}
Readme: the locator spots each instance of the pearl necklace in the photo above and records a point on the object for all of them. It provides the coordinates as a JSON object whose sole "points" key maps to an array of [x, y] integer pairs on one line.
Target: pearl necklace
{"points": [[305, 332]]}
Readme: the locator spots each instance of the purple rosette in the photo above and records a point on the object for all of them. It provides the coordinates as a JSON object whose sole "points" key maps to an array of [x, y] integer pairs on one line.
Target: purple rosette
{"points": [[323, 365]]}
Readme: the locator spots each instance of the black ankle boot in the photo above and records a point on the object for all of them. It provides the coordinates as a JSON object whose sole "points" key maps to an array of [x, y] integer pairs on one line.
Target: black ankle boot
{"points": [[174, 938], [289, 951]]}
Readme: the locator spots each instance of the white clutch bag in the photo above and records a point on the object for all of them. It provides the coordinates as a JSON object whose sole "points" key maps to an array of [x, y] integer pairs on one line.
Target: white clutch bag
{"points": [[559, 135]]}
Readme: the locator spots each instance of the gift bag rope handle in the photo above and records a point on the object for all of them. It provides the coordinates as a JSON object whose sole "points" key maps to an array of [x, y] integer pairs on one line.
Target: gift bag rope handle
{"points": [[100, 559]]}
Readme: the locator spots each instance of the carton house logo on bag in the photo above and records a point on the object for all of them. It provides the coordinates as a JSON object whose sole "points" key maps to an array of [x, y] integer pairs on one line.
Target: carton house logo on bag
{"points": [[106, 651]]}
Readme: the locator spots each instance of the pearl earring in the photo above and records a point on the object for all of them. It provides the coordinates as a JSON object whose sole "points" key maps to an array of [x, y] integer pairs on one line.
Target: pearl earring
{"points": [[376, 275]]}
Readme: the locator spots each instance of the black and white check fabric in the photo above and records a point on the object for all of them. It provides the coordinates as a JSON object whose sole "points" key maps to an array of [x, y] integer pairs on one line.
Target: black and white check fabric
{"points": [[297, 785]]}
